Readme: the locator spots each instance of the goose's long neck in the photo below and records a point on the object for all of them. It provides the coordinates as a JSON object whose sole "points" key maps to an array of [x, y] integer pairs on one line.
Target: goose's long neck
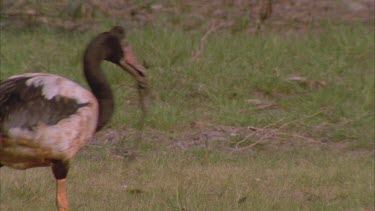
{"points": [[100, 88]]}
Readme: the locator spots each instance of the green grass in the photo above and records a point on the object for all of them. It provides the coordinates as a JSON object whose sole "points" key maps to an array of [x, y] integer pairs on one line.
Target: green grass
{"points": [[201, 179], [233, 68]]}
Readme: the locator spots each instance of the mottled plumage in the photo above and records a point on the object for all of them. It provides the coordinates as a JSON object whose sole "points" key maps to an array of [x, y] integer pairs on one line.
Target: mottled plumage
{"points": [[24, 106]]}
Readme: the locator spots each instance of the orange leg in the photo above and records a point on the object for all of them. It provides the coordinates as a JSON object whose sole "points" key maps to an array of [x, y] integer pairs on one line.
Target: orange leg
{"points": [[60, 170]]}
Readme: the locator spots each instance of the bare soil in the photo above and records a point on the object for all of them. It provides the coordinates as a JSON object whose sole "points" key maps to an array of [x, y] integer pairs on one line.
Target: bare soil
{"points": [[209, 136]]}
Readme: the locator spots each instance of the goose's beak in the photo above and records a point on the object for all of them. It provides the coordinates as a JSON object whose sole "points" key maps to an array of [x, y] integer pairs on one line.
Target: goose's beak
{"points": [[130, 64]]}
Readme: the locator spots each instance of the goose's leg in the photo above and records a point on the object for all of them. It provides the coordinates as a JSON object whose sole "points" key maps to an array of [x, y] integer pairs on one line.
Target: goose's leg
{"points": [[60, 171]]}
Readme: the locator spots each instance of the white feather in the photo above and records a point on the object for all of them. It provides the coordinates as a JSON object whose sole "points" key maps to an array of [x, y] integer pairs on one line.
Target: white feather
{"points": [[53, 85]]}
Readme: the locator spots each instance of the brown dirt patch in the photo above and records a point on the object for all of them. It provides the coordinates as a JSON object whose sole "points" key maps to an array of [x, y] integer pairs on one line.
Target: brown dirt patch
{"points": [[227, 138]]}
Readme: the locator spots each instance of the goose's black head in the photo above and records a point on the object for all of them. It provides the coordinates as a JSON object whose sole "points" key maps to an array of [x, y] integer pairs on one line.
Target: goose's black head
{"points": [[113, 44], [113, 47]]}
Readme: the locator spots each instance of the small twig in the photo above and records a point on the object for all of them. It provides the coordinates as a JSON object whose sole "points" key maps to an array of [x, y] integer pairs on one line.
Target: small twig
{"points": [[214, 26], [273, 123], [268, 135], [252, 134], [245, 139]]}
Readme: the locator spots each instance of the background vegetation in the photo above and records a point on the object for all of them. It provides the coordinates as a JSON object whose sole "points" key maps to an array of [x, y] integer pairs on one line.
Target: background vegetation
{"points": [[246, 113]]}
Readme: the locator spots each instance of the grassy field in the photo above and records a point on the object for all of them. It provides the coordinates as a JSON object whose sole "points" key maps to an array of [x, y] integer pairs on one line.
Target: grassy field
{"points": [[314, 92], [201, 179]]}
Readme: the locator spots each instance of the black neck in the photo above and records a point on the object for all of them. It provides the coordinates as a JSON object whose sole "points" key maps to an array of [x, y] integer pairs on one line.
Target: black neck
{"points": [[101, 89]]}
